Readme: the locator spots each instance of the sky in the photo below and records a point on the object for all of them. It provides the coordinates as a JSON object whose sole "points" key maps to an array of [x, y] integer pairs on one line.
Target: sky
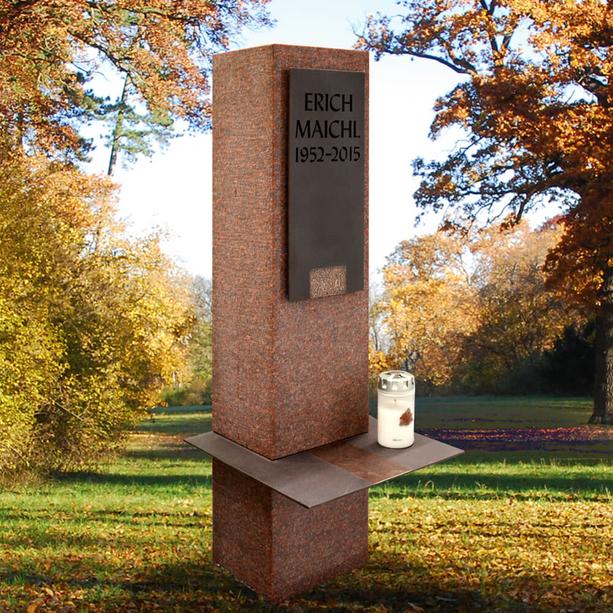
{"points": [[172, 189]]}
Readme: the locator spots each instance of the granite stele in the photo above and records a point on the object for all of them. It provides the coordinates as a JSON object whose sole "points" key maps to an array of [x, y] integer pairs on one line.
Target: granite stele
{"points": [[294, 450]]}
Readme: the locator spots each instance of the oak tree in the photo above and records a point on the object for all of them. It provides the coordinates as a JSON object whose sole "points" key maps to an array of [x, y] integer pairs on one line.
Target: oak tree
{"points": [[533, 104]]}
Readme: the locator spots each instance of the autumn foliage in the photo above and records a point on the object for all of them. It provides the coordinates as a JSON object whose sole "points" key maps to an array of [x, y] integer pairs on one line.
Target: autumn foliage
{"points": [[57, 58], [471, 315], [93, 324], [533, 108]]}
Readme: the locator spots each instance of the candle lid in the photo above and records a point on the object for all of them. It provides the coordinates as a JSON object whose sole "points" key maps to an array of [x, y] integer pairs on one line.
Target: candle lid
{"points": [[396, 381]]}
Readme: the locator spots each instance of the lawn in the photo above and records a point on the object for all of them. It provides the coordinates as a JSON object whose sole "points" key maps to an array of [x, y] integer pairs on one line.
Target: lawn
{"points": [[501, 528]]}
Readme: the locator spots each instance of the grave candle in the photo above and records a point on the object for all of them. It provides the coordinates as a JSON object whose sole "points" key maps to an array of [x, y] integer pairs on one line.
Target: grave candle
{"points": [[395, 409]]}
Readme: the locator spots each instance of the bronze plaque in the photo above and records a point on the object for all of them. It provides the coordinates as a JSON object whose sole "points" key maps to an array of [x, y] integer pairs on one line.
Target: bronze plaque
{"points": [[325, 183]]}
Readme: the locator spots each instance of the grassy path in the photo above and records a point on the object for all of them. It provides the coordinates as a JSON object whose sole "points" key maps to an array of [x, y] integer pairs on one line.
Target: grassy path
{"points": [[510, 530]]}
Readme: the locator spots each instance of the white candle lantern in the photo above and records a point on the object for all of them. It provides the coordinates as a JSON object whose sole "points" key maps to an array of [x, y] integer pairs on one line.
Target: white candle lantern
{"points": [[396, 409]]}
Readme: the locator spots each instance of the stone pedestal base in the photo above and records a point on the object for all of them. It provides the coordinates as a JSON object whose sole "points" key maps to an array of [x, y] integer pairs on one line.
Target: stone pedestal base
{"points": [[278, 547]]}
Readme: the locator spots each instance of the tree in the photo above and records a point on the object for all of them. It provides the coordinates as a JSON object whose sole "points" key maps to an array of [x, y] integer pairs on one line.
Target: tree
{"points": [[569, 364], [472, 315], [201, 340], [427, 307], [534, 106], [56, 59], [92, 325], [377, 341], [193, 384], [581, 266], [518, 317]]}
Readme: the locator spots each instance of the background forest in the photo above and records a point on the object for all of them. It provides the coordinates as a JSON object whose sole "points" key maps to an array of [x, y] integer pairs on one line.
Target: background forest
{"points": [[96, 327], [475, 315]]}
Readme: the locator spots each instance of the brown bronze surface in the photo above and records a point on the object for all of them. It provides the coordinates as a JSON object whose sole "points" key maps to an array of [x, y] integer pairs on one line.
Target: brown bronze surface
{"points": [[330, 281], [320, 475]]}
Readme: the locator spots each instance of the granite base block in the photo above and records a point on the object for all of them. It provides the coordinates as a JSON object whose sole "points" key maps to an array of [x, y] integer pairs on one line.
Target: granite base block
{"points": [[276, 546]]}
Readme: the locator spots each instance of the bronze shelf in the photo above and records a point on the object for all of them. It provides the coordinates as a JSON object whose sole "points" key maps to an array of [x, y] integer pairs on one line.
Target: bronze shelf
{"points": [[322, 474]]}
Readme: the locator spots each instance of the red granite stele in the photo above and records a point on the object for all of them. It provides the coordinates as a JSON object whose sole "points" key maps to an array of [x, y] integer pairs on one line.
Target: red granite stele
{"points": [[287, 376]]}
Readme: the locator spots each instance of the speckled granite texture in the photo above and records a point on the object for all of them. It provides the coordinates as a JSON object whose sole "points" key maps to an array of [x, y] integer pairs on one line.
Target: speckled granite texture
{"points": [[330, 281], [287, 376], [278, 547]]}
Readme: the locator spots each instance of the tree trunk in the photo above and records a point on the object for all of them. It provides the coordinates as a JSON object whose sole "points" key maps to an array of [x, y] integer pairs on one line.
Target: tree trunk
{"points": [[117, 130], [603, 385]]}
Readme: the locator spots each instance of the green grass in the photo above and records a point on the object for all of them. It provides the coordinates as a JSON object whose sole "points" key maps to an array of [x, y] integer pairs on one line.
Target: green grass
{"points": [[497, 412], [501, 411], [487, 531]]}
